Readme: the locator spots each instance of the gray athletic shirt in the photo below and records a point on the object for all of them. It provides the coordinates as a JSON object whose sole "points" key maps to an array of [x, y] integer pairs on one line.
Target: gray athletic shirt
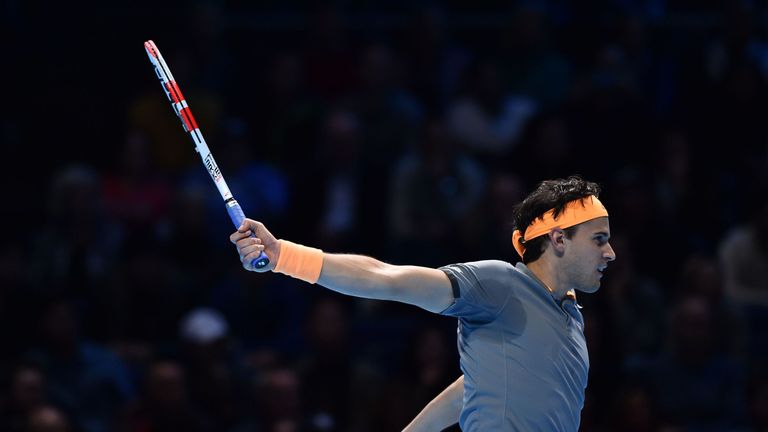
{"points": [[523, 352]]}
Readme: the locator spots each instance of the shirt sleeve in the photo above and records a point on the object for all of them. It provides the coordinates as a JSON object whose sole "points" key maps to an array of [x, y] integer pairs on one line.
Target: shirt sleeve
{"points": [[478, 296]]}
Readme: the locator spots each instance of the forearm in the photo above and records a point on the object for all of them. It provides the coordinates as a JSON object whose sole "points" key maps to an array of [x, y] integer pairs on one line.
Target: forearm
{"points": [[358, 276], [366, 277], [442, 411]]}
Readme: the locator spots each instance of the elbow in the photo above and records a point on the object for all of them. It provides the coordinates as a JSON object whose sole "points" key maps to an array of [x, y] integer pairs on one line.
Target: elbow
{"points": [[390, 287], [458, 402], [378, 284], [392, 284]]}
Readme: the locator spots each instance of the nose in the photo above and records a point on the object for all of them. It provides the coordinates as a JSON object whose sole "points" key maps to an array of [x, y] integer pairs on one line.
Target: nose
{"points": [[608, 253]]}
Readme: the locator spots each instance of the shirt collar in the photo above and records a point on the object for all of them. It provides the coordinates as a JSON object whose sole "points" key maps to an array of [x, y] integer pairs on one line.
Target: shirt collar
{"points": [[569, 296]]}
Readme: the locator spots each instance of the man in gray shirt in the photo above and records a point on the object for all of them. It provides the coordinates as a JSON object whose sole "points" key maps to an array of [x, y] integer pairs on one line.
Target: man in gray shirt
{"points": [[521, 335]]}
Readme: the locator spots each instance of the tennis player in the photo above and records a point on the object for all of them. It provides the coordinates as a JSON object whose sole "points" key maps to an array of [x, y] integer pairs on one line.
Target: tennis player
{"points": [[521, 335]]}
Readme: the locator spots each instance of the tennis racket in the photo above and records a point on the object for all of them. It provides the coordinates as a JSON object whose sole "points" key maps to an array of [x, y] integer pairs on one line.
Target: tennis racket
{"points": [[181, 108]]}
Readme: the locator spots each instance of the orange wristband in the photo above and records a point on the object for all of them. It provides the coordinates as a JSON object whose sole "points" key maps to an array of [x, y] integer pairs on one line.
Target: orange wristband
{"points": [[300, 262]]}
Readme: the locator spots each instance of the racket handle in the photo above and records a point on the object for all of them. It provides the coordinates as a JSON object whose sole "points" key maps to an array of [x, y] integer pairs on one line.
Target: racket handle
{"points": [[237, 216]]}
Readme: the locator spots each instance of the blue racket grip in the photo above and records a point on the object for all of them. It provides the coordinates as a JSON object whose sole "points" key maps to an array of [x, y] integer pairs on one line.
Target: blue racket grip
{"points": [[237, 216]]}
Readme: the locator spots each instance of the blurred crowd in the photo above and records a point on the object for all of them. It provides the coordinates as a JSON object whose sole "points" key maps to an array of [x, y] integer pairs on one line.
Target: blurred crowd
{"points": [[404, 131]]}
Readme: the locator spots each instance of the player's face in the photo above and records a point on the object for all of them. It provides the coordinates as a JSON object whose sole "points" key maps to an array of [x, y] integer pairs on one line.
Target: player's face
{"points": [[588, 254]]}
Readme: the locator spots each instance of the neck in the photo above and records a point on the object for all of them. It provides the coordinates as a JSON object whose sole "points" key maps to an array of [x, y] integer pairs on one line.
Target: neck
{"points": [[545, 271]]}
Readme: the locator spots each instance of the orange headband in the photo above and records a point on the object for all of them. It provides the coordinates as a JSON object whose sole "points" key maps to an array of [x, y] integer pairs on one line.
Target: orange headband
{"points": [[574, 213]]}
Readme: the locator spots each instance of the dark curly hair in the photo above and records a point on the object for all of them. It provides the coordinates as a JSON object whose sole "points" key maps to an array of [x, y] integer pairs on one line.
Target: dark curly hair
{"points": [[549, 194]]}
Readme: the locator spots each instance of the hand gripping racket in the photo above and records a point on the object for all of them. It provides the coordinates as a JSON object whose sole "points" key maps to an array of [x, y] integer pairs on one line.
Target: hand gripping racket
{"points": [[181, 108]]}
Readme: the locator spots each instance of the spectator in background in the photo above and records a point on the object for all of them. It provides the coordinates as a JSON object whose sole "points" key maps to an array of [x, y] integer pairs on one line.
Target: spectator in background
{"points": [[88, 382], [635, 306], [492, 218], [279, 404], [329, 54], [531, 65], [383, 93], [744, 255], [436, 188], [633, 205], [338, 386], [434, 58], [218, 382], [26, 392], [284, 107], [389, 118], [604, 364], [16, 306], [702, 276], [188, 244], [283, 114], [635, 410], [202, 38], [150, 290], [74, 251], [486, 119], [744, 258], [642, 64], [261, 315], [546, 147], [757, 400], [605, 108], [732, 109], [47, 419], [341, 152], [673, 177], [164, 405], [136, 196], [695, 384]]}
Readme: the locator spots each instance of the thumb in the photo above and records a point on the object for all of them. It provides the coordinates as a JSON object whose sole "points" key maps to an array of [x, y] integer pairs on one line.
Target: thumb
{"points": [[245, 226]]}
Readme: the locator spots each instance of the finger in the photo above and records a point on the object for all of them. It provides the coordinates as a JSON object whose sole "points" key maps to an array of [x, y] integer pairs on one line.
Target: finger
{"points": [[248, 224], [237, 235], [247, 241], [248, 258], [246, 246], [255, 248]]}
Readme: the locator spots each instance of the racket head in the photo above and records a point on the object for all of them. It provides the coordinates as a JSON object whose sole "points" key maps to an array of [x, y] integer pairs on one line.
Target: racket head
{"points": [[170, 87]]}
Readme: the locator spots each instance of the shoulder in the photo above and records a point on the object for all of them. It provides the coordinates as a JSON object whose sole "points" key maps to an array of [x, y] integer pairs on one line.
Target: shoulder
{"points": [[485, 269], [484, 264]]}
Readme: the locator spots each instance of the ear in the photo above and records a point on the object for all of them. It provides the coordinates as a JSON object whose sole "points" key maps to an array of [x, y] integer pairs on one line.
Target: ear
{"points": [[557, 241]]}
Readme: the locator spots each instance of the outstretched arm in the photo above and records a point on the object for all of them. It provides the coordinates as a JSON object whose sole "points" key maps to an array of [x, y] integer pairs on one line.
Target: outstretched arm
{"points": [[442, 411], [354, 275]]}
